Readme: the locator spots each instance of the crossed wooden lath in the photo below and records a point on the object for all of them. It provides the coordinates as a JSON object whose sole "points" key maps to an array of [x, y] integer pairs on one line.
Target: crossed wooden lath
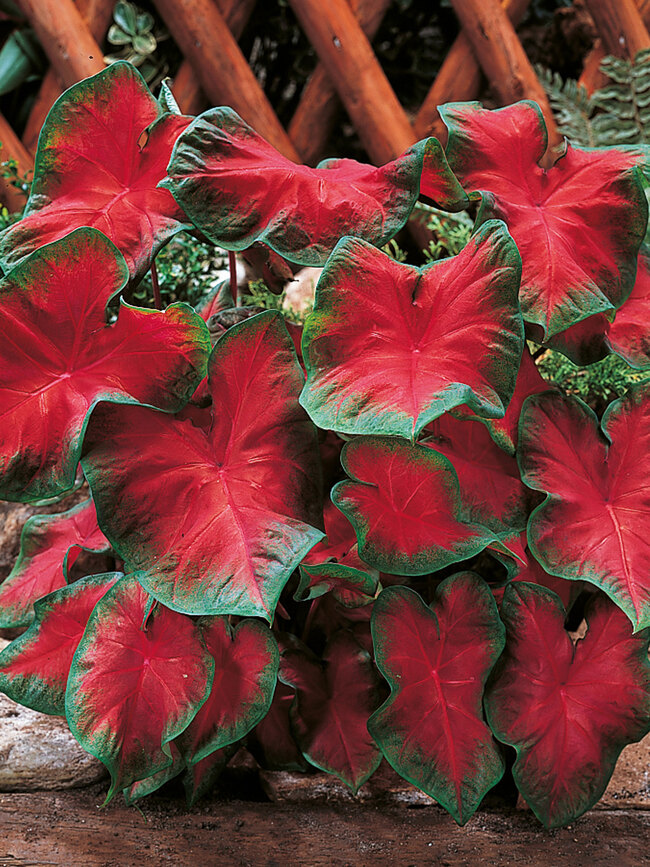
{"points": [[215, 72]]}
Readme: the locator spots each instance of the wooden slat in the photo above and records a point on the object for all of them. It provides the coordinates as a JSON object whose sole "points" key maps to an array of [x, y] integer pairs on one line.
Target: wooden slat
{"points": [[97, 15], [13, 148], [186, 86], [71, 48], [345, 52], [620, 26], [502, 56], [204, 38], [592, 78], [317, 110], [458, 79]]}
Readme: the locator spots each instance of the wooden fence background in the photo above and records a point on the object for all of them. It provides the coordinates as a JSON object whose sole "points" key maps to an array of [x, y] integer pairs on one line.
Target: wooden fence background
{"points": [[215, 71]]}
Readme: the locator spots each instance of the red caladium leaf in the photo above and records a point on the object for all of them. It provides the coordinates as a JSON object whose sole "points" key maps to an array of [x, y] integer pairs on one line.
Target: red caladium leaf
{"points": [[200, 778], [390, 347], [215, 518], [245, 673], [149, 785], [405, 505], [505, 431], [436, 660], [628, 335], [334, 699], [593, 525], [238, 189], [92, 169], [574, 265], [49, 545], [34, 667], [134, 685], [59, 358], [489, 478], [567, 709], [334, 565], [273, 744]]}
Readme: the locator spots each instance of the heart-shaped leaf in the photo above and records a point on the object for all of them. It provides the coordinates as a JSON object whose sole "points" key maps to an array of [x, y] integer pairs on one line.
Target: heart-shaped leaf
{"points": [[34, 668], [59, 358], [134, 685], [628, 335], [92, 169], [49, 545], [574, 265], [237, 189], [245, 673], [593, 525], [489, 477], [273, 744], [567, 709], [216, 518], [404, 503], [390, 347], [334, 698], [436, 660]]}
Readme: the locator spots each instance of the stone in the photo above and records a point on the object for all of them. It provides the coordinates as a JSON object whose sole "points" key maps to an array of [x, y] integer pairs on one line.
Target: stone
{"points": [[38, 752], [629, 787]]}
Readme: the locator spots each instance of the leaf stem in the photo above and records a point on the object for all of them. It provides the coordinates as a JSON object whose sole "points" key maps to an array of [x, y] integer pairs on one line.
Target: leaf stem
{"points": [[310, 617], [232, 263], [156, 286]]}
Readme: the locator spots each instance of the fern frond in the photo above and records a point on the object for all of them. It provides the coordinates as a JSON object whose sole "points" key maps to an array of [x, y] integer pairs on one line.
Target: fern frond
{"points": [[624, 103], [572, 106]]}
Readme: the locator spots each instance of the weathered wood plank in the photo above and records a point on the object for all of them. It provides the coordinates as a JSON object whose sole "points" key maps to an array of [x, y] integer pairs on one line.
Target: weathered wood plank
{"points": [[68, 829]]}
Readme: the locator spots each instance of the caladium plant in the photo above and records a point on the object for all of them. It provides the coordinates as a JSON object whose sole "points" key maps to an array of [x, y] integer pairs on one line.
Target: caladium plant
{"points": [[372, 547]]}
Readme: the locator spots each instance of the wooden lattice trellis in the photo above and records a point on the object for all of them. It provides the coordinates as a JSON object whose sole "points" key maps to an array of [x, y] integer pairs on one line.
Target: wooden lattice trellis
{"points": [[215, 71]]}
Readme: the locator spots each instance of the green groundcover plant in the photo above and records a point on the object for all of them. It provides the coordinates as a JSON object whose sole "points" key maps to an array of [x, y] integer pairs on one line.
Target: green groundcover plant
{"points": [[363, 538]]}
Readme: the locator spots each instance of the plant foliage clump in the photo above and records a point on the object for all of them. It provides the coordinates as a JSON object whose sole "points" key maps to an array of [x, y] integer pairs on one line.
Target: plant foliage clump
{"points": [[359, 537]]}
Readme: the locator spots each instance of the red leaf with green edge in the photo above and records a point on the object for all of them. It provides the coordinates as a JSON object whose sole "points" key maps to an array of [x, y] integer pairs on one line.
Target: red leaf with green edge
{"points": [[216, 519], [34, 667], [245, 673], [389, 347], [567, 709], [273, 744], [92, 169], [149, 785], [489, 477], [200, 778], [134, 687], [404, 503], [334, 565], [505, 431], [593, 524], [436, 660], [628, 335], [522, 566], [237, 189], [59, 358], [49, 545], [574, 265], [334, 698]]}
